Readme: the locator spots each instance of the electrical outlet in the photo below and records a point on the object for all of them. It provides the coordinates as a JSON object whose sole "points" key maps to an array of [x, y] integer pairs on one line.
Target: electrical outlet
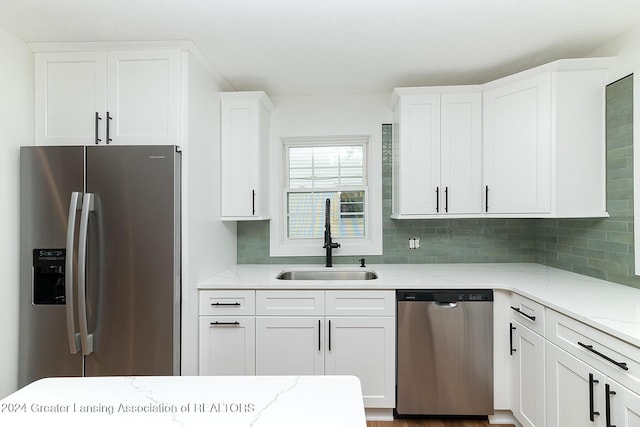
{"points": [[414, 242]]}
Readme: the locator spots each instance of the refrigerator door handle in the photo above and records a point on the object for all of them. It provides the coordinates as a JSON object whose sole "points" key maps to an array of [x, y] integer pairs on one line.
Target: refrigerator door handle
{"points": [[74, 337], [85, 337]]}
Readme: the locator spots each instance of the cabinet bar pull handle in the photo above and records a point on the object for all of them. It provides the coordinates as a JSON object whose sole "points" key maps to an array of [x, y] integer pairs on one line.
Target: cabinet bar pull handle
{"points": [[224, 323], [225, 303], [108, 121], [253, 202], [621, 365], [486, 198], [511, 349], [319, 333], [607, 404], [329, 335], [532, 318], [592, 413], [437, 199], [446, 199], [98, 118]]}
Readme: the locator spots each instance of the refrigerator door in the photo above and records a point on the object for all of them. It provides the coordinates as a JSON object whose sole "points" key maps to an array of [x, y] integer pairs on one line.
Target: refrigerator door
{"points": [[48, 176], [133, 255]]}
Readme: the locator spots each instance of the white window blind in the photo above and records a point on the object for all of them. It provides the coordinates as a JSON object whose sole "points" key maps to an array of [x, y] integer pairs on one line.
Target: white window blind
{"points": [[319, 170]]}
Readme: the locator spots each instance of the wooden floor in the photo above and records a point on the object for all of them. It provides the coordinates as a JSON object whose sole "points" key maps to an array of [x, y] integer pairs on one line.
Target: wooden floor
{"points": [[434, 423]]}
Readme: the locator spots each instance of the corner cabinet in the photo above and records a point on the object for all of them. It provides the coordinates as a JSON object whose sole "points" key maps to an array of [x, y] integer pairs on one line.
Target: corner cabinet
{"points": [[245, 155], [107, 97], [530, 145], [436, 151], [544, 141]]}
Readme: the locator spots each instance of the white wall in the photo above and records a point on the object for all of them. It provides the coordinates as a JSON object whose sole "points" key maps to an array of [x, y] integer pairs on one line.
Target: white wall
{"points": [[209, 245], [626, 49], [16, 129], [339, 115]]}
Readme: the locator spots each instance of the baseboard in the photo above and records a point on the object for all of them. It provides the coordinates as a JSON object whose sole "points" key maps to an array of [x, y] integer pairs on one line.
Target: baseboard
{"points": [[378, 414], [503, 417]]}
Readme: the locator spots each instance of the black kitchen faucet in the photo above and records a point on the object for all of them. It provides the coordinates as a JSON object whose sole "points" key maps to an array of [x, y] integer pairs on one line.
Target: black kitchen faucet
{"points": [[328, 244]]}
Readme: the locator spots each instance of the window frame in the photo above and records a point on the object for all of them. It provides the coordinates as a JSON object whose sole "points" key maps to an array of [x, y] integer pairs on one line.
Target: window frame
{"points": [[371, 244], [287, 145]]}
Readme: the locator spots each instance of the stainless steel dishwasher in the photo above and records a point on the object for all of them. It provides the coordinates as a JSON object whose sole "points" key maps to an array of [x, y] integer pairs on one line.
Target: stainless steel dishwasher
{"points": [[445, 352]]}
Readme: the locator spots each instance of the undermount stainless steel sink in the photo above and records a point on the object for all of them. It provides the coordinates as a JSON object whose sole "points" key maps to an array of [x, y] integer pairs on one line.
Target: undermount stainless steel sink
{"points": [[337, 274]]}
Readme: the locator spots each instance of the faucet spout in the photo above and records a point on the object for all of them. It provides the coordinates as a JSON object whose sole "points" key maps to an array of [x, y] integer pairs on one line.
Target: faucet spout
{"points": [[329, 245]]}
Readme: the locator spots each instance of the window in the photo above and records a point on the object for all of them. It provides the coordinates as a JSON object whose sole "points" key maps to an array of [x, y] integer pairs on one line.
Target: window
{"points": [[318, 173], [317, 169]]}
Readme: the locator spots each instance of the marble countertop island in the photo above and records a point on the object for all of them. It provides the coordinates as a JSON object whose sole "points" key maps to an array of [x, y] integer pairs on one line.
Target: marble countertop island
{"points": [[187, 401], [607, 306]]}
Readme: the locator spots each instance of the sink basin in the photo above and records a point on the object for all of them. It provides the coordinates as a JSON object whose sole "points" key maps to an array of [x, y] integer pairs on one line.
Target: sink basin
{"points": [[338, 274]]}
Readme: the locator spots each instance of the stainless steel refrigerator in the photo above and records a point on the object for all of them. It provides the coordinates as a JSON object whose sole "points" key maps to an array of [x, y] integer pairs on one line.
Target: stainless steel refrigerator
{"points": [[100, 261]]}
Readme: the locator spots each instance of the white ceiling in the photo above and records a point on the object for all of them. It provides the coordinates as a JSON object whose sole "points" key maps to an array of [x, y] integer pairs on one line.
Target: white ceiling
{"points": [[303, 47]]}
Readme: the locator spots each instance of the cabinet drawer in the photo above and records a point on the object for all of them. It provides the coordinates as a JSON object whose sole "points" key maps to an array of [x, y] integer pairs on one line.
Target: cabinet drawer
{"points": [[360, 303], [222, 303], [613, 357], [294, 303], [529, 313]]}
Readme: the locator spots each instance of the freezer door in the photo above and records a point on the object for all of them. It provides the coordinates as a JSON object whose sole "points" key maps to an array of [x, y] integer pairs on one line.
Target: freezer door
{"points": [[133, 254], [48, 176]]}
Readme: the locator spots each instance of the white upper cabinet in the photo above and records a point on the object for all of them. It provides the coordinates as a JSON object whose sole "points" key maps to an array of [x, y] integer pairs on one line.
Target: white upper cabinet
{"points": [[116, 97], [245, 155], [436, 145], [517, 150], [544, 141], [527, 145]]}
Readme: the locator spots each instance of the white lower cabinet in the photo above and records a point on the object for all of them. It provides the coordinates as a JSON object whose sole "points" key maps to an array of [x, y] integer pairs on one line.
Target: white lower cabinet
{"points": [[579, 395], [227, 345], [227, 333], [527, 361], [527, 373], [624, 406], [302, 332], [354, 335], [364, 347], [289, 346], [592, 377]]}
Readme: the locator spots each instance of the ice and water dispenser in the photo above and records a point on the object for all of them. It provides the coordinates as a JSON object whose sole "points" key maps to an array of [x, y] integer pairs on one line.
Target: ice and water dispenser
{"points": [[48, 276]]}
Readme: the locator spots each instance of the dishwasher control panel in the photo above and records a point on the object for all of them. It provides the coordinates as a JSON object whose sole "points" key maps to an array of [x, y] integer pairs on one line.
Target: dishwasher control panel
{"points": [[445, 295]]}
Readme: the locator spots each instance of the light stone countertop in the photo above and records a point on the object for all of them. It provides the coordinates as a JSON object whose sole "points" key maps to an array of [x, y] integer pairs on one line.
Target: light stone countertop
{"points": [[266, 401], [610, 307]]}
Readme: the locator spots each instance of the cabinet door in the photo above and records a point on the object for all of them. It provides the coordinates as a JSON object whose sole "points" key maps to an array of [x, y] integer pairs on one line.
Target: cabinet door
{"points": [[575, 391], [517, 146], [624, 405], [528, 387], [241, 153], [289, 346], [417, 173], [144, 97], [227, 345], [364, 347], [70, 88], [461, 140]]}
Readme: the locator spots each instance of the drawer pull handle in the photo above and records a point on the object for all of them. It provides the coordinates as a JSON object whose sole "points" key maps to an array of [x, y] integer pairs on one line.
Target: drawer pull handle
{"points": [[217, 304], [532, 318], [589, 347], [592, 413], [224, 323]]}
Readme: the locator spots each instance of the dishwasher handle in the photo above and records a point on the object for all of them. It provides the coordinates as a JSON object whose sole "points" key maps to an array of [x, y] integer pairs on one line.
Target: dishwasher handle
{"points": [[445, 304]]}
